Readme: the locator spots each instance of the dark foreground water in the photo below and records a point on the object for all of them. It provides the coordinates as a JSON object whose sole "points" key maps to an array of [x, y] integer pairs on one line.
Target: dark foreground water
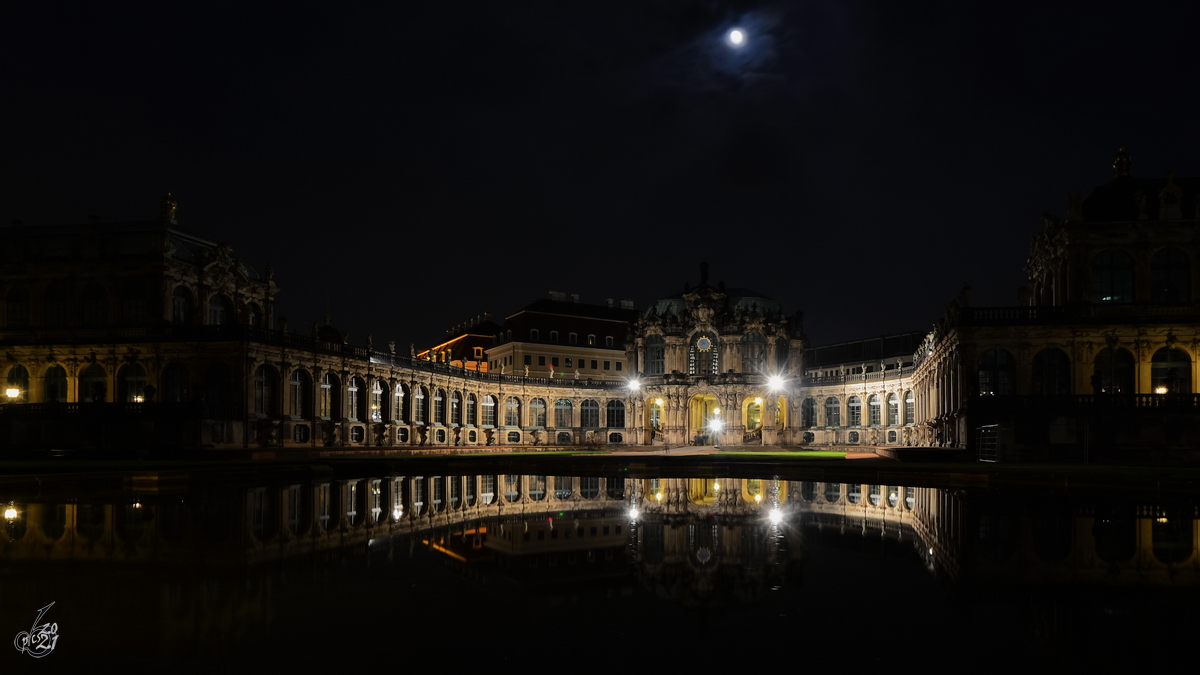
{"points": [[435, 566]]}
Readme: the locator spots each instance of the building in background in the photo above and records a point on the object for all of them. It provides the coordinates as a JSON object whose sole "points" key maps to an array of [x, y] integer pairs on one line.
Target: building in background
{"points": [[466, 344], [147, 335], [561, 337], [1099, 355]]}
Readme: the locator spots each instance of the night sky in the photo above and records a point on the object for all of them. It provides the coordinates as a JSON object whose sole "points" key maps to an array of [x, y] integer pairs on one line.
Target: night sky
{"points": [[419, 163]]}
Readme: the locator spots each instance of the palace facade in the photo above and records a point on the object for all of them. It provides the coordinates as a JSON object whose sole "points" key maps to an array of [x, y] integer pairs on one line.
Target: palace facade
{"points": [[147, 335]]}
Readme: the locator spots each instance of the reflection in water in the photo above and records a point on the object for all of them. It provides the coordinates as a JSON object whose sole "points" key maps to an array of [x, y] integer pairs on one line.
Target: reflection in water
{"points": [[229, 567]]}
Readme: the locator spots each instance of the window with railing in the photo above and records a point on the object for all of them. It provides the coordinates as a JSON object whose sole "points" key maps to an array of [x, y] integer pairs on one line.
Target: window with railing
{"points": [[563, 487]]}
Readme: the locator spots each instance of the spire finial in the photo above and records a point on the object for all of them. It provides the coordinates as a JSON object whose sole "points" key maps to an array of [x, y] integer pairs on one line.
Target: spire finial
{"points": [[1121, 164], [166, 209]]}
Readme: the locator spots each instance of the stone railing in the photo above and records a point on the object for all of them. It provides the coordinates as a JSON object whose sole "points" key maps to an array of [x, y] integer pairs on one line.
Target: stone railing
{"points": [[277, 338], [858, 378]]}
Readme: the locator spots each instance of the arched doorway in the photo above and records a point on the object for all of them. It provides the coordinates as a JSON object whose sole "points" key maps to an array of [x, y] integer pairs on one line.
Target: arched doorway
{"points": [[705, 420]]}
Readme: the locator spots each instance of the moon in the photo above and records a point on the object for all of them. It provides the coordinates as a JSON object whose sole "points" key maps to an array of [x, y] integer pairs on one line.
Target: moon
{"points": [[736, 37]]}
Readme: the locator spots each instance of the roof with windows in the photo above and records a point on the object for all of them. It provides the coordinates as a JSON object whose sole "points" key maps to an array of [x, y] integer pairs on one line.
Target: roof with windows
{"points": [[1127, 198]]}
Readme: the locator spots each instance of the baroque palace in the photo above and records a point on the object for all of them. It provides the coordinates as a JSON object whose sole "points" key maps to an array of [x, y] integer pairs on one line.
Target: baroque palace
{"points": [[146, 335]]}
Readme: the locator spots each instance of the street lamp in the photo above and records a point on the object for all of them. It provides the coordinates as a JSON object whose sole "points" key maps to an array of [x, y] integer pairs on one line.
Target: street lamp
{"points": [[12, 393], [775, 383]]}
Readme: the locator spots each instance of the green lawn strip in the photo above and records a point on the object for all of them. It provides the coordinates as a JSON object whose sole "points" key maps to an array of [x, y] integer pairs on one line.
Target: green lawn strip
{"points": [[805, 454], [525, 454]]}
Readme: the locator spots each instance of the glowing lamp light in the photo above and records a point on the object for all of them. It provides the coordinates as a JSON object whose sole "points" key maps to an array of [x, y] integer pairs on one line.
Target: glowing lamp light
{"points": [[716, 425], [737, 37], [633, 514], [1160, 390], [634, 385], [716, 485], [775, 516], [139, 399], [12, 392], [658, 401], [775, 383], [758, 400], [10, 513], [758, 498], [396, 514], [658, 496]]}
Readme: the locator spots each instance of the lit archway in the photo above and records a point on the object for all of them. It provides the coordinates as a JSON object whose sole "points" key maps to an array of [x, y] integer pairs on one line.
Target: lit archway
{"points": [[705, 421]]}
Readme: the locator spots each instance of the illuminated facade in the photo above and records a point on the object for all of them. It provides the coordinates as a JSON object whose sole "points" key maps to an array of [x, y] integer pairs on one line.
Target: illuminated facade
{"points": [[718, 366], [146, 335]]}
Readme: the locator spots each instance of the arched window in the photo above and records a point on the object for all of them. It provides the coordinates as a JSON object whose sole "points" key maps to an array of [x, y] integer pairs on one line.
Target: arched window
{"points": [[93, 305], [398, 403], [376, 409], [589, 414], [131, 384], [93, 384], [489, 411], [703, 355], [55, 385], [754, 353], [1170, 276], [833, 412], [875, 409], [181, 305], [537, 412], [1171, 371], [1051, 372], [1112, 277], [18, 378], [420, 414], [456, 408], [533, 335], [439, 406], [808, 414], [910, 408], [616, 415], [512, 412], [56, 303], [254, 315], [300, 394], [1112, 372], [562, 413], [997, 373], [893, 404], [354, 401], [266, 395], [220, 311], [471, 421], [330, 407], [833, 492], [656, 355], [753, 414], [16, 306], [854, 412]]}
